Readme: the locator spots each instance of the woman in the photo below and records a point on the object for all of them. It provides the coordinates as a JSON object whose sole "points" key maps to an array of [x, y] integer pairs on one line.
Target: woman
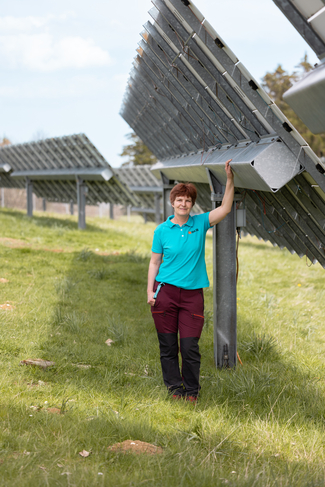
{"points": [[175, 285]]}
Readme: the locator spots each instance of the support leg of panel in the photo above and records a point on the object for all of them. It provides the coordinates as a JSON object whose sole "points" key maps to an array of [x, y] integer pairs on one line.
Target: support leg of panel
{"points": [[168, 210], [29, 194], [111, 211], [224, 291], [168, 185], [157, 208], [81, 193]]}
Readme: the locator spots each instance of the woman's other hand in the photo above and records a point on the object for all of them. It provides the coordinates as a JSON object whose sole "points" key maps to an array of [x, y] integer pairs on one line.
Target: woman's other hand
{"points": [[151, 299]]}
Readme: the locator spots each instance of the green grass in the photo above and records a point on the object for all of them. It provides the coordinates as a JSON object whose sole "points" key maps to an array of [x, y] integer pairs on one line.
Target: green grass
{"points": [[259, 425]]}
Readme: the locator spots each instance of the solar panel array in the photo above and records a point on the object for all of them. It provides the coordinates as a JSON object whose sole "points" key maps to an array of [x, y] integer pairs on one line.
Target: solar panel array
{"points": [[53, 166], [195, 105], [141, 181]]}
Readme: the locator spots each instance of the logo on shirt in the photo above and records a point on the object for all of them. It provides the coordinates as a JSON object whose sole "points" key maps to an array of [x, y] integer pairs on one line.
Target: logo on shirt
{"points": [[193, 231]]}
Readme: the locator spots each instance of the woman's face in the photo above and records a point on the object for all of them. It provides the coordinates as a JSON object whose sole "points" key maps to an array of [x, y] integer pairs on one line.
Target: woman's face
{"points": [[182, 205]]}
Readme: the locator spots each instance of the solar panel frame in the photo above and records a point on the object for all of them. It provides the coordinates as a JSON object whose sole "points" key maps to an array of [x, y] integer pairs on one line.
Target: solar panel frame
{"points": [[298, 18], [180, 103]]}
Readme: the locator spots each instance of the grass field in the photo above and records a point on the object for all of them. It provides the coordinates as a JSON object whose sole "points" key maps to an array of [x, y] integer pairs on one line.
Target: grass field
{"points": [[259, 425]]}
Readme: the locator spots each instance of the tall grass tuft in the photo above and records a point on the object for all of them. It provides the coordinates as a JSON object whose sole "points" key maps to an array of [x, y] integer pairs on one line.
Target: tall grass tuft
{"points": [[117, 330], [85, 254], [260, 346], [99, 274], [74, 322]]}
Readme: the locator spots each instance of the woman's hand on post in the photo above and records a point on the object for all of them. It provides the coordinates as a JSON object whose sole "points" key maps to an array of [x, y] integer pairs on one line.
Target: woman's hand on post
{"points": [[151, 300], [230, 174]]}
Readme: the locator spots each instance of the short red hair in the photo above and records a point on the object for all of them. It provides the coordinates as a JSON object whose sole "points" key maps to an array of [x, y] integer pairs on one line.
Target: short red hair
{"points": [[183, 189]]}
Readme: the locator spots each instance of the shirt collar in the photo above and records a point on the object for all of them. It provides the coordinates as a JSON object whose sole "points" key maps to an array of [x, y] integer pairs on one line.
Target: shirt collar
{"points": [[171, 224]]}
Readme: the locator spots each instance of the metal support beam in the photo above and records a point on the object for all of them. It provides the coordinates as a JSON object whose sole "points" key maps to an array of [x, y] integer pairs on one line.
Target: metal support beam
{"points": [[157, 208], [224, 291], [145, 217], [224, 282], [111, 211], [168, 185], [82, 190], [71, 208], [29, 194], [168, 210], [44, 204]]}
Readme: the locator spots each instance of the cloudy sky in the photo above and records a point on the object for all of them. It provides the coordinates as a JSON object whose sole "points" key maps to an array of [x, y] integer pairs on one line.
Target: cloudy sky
{"points": [[64, 64]]}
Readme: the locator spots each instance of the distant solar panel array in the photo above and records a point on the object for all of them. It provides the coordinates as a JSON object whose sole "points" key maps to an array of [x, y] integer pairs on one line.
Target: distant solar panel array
{"points": [[54, 165], [63, 169], [148, 189], [195, 105]]}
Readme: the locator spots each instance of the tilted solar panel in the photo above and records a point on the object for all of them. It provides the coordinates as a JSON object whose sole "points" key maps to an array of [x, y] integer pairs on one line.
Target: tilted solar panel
{"points": [[195, 105], [307, 96]]}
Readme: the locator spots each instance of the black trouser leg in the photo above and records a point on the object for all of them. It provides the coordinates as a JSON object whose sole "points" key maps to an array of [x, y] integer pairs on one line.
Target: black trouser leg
{"points": [[191, 360], [168, 344]]}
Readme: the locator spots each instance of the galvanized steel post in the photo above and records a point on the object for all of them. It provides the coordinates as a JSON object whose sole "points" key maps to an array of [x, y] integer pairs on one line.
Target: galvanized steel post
{"points": [[224, 282], [168, 185], [157, 208], [111, 211], [29, 194], [81, 195]]}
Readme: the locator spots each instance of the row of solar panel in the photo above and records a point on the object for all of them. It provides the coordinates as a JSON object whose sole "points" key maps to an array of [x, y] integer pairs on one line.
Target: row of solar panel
{"points": [[54, 165]]}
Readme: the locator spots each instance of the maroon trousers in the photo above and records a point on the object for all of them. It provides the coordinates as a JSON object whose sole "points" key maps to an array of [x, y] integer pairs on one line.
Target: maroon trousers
{"points": [[180, 311]]}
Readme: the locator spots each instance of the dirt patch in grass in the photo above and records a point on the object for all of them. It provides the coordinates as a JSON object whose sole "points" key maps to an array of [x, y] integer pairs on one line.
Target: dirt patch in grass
{"points": [[12, 242], [136, 446], [19, 244], [7, 306], [15, 243], [53, 410], [3, 280]]}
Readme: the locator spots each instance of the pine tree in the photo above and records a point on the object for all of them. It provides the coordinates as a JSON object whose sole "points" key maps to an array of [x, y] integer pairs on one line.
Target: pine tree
{"points": [[137, 153]]}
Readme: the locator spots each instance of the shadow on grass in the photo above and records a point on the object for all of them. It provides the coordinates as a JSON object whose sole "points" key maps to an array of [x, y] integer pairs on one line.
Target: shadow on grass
{"points": [[49, 221], [259, 245]]}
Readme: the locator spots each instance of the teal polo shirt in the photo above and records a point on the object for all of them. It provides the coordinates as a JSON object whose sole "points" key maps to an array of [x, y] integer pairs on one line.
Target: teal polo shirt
{"points": [[183, 250]]}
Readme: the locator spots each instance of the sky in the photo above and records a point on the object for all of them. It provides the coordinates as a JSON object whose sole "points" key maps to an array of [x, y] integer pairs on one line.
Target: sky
{"points": [[64, 64]]}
